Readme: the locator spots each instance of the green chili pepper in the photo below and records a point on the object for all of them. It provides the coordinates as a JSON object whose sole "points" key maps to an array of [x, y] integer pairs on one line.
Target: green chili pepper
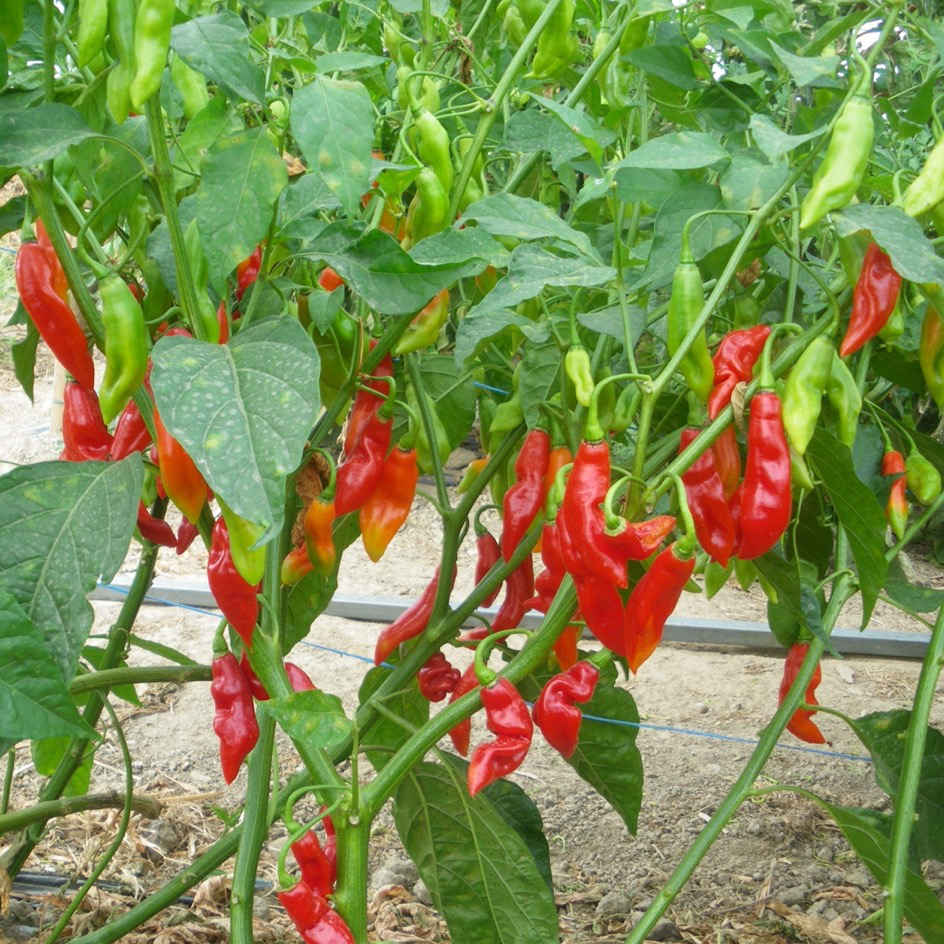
{"points": [[799, 472], [507, 417], [477, 187], [426, 460], [685, 304], [121, 17], [208, 328], [243, 534], [424, 328], [803, 392], [843, 393], [191, 85], [924, 480], [577, 368], [927, 189], [931, 354], [429, 209], [126, 346], [622, 416], [93, 24], [847, 155], [432, 146], [557, 47], [151, 44]]}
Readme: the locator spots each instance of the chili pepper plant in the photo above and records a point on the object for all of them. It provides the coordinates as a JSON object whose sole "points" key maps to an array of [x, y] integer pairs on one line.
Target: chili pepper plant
{"points": [[675, 269]]}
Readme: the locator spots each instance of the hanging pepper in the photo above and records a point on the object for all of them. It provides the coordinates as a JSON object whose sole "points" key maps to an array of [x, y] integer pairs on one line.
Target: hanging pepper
{"points": [[121, 15], [427, 456], [519, 588], [472, 472], [93, 25], [926, 191], [565, 646], [523, 500], [873, 301], [362, 469], [329, 280], [734, 363], [803, 392], [714, 525], [685, 304], [314, 918], [248, 271], [318, 526], [181, 478], [191, 85], [248, 560], [727, 460], [126, 346], [236, 599], [388, 507], [295, 565], [319, 872], [432, 147], [131, 433], [556, 46], [437, 678], [488, 553], [235, 719], [765, 501], [896, 511], [155, 530], [429, 209], [847, 155], [549, 580], [424, 327], [844, 396], [460, 734], [923, 478], [476, 189], [186, 534], [411, 622], [801, 724], [601, 607], [507, 717], [577, 368], [84, 434], [555, 713], [367, 402], [40, 282], [152, 28], [931, 353]]}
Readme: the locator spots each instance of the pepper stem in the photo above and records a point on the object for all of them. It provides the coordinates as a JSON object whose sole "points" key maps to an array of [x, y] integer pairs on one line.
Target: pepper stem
{"points": [[592, 430], [328, 491], [613, 520], [765, 375], [480, 528], [555, 494], [685, 546], [485, 675]]}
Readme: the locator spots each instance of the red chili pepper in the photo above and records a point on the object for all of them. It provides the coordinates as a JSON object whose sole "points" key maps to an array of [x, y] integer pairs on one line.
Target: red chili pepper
{"points": [[896, 511], [248, 271], [507, 717], [651, 603], [318, 871], [131, 434], [801, 724], [297, 677], [524, 499], [555, 713], [137, 291], [42, 287], [410, 623], [223, 323], [329, 280], [362, 469], [186, 535], [366, 404], [84, 434], [734, 363], [873, 300], [437, 678], [728, 460], [314, 918], [519, 588], [549, 580], [388, 506], [565, 646], [236, 599], [461, 733], [235, 719], [488, 554], [182, 480], [714, 525], [602, 608], [155, 530]]}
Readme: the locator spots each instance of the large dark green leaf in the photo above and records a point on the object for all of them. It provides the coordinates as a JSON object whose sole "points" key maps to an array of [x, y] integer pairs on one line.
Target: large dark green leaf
{"points": [[858, 511], [454, 395], [883, 734], [912, 597], [314, 718], [64, 526], [38, 134], [678, 150], [479, 871], [385, 735], [242, 410], [591, 135]]}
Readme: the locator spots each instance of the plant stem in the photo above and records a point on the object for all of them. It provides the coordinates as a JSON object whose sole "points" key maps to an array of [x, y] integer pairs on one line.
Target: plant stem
{"points": [[905, 798], [351, 892], [7, 782], [429, 425], [742, 787], [64, 806], [13, 860], [132, 675], [255, 827]]}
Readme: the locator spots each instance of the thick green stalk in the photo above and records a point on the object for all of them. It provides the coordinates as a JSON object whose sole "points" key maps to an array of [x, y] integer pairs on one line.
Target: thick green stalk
{"points": [[164, 178], [493, 105], [255, 827], [114, 652], [905, 797], [132, 675], [351, 892], [41, 812], [742, 787]]}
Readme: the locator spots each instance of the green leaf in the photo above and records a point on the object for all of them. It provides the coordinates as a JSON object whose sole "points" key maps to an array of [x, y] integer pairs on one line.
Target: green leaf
{"points": [[670, 63], [504, 214], [388, 280], [305, 602], [540, 371], [241, 410], [38, 134], [867, 832], [64, 525], [902, 237], [748, 183], [859, 513], [679, 150], [530, 131], [805, 70], [479, 871], [94, 655], [774, 142], [24, 350], [218, 46], [883, 734], [475, 330], [470, 248], [645, 184], [48, 752], [333, 122], [241, 181], [301, 201], [453, 397], [348, 61], [385, 735], [314, 718], [202, 132], [592, 135], [908, 595], [12, 213], [34, 700]]}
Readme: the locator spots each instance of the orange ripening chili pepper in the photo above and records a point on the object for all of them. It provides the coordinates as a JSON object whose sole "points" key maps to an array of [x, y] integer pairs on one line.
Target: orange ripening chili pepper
{"points": [[873, 300], [329, 280], [896, 511], [319, 538], [801, 723], [295, 565], [565, 646], [383, 514], [182, 480]]}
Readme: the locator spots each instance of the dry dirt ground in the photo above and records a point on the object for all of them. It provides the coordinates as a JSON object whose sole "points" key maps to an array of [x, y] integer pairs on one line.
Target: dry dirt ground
{"points": [[779, 872]]}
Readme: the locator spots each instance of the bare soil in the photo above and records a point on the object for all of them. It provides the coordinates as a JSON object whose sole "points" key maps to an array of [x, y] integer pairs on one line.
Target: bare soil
{"points": [[780, 871]]}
